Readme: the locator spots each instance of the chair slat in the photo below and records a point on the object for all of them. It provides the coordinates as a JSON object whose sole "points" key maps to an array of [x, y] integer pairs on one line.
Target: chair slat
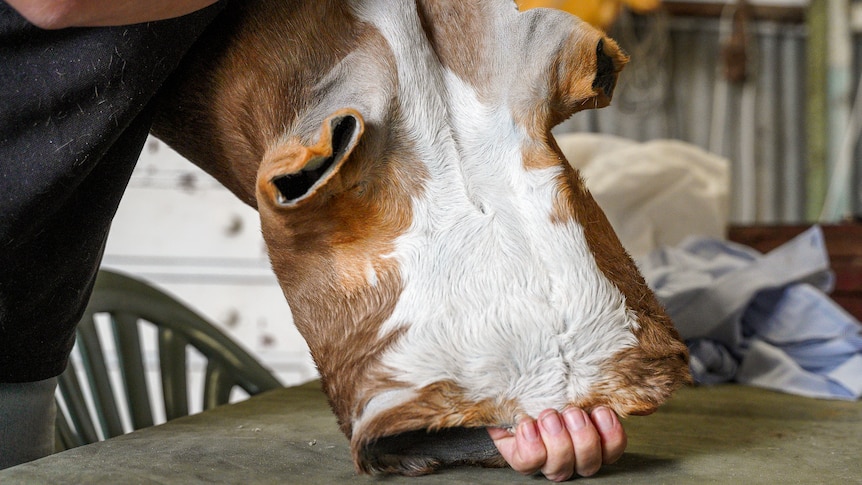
{"points": [[97, 373], [218, 384], [172, 364], [130, 301], [131, 360], [65, 437], [77, 405]]}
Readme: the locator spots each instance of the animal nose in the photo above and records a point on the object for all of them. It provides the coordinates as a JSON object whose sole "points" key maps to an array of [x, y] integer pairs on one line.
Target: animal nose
{"points": [[606, 78]]}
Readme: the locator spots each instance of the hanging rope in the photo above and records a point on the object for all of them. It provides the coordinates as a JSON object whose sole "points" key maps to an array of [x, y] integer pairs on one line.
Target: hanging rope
{"points": [[647, 40]]}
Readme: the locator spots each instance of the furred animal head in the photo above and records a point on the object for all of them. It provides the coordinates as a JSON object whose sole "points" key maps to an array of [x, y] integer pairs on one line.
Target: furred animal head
{"points": [[447, 267]]}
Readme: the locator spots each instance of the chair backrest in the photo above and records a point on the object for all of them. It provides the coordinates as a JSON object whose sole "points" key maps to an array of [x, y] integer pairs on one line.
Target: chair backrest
{"points": [[128, 303]]}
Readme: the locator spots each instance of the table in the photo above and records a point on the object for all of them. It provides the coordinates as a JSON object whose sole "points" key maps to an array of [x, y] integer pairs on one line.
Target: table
{"points": [[722, 434]]}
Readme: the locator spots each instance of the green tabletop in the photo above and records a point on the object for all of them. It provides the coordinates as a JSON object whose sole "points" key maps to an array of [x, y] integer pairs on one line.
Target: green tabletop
{"points": [[725, 434]]}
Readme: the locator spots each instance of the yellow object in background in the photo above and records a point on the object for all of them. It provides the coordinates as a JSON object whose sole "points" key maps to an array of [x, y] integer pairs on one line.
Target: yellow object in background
{"points": [[600, 13]]}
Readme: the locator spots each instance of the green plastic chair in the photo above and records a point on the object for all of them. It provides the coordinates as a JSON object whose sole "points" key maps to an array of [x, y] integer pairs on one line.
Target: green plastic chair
{"points": [[128, 302]]}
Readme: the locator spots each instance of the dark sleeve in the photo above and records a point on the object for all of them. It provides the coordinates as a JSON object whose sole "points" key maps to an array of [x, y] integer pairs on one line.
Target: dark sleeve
{"points": [[75, 110]]}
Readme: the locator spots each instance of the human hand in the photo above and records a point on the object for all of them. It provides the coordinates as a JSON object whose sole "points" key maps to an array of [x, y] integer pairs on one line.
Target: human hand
{"points": [[562, 444]]}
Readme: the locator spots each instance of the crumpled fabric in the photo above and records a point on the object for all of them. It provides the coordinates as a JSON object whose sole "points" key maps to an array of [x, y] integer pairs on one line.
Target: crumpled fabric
{"points": [[760, 319]]}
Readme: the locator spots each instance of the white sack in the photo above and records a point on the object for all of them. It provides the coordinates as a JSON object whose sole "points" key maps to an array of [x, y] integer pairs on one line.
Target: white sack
{"points": [[655, 193]]}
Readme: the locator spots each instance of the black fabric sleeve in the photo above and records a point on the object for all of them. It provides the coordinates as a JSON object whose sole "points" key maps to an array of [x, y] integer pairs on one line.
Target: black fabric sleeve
{"points": [[75, 110]]}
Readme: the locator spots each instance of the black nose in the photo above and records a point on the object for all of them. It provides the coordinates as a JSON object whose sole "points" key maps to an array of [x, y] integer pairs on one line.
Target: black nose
{"points": [[605, 71]]}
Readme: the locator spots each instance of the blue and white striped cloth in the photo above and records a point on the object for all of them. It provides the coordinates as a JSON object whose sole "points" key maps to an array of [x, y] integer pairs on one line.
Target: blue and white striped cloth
{"points": [[760, 319]]}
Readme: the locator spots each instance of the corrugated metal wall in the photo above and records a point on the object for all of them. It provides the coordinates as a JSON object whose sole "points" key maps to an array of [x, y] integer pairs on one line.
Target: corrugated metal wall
{"points": [[672, 88]]}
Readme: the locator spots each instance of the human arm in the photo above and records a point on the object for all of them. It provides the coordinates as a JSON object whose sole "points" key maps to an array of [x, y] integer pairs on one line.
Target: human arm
{"points": [[563, 444], [58, 14]]}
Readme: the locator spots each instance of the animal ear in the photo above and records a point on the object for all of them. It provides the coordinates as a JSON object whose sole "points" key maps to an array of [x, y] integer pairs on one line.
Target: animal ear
{"points": [[292, 171], [591, 73]]}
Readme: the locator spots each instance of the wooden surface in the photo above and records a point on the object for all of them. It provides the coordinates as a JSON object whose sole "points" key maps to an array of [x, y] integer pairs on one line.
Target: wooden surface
{"points": [[727, 434]]}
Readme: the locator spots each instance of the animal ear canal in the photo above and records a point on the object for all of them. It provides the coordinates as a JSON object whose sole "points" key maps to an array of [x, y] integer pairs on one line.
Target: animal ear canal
{"points": [[300, 170], [345, 133]]}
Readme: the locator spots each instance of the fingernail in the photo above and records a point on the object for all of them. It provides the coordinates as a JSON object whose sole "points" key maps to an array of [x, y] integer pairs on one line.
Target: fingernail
{"points": [[529, 431], [603, 418], [575, 419], [551, 422]]}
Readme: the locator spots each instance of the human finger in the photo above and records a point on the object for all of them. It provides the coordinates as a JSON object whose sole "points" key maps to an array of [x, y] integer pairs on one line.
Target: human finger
{"points": [[586, 441], [524, 451], [612, 433], [560, 462]]}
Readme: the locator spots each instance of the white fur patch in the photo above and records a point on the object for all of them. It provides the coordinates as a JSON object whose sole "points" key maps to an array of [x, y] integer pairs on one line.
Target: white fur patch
{"points": [[496, 298], [371, 275]]}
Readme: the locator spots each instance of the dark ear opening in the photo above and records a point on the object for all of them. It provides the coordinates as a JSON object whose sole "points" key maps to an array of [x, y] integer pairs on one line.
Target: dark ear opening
{"points": [[606, 71], [343, 133]]}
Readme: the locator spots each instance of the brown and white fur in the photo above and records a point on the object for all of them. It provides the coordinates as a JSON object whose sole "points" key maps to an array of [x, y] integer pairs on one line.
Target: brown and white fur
{"points": [[446, 265]]}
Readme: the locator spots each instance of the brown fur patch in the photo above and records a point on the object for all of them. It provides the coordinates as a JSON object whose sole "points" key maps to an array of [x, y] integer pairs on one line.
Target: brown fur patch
{"points": [[248, 77], [447, 24]]}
